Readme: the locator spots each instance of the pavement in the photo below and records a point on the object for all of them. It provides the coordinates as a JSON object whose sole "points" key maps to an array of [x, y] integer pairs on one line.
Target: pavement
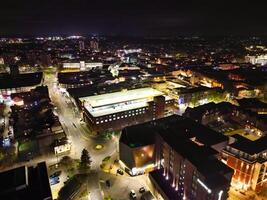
{"points": [[121, 185]]}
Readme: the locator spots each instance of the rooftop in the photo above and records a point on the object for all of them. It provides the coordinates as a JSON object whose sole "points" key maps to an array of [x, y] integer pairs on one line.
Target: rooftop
{"points": [[13, 179], [105, 104], [20, 80], [122, 96], [251, 103], [251, 147], [174, 129], [25, 183], [138, 135]]}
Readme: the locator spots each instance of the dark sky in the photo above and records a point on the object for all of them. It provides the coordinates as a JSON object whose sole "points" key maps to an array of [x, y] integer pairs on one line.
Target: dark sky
{"points": [[128, 17]]}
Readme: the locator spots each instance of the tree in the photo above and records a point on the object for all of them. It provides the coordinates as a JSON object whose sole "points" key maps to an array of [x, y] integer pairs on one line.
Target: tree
{"points": [[85, 159]]}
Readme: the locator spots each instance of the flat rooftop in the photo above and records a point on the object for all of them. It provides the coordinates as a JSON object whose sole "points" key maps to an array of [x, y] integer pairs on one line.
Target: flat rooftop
{"points": [[20, 80], [122, 96], [105, 104], [12, 180]]}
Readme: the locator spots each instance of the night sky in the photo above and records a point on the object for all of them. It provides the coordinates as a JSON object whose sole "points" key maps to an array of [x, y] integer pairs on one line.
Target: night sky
{"points": [[133, 18]]}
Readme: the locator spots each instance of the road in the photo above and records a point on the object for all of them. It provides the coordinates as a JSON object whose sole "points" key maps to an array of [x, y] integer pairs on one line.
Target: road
{"points": [[77, 131], [81, 138], [121, 185]]}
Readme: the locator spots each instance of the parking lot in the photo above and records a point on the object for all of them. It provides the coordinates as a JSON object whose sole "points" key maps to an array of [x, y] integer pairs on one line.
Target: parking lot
{"points": [[121, 185], [56, 185]]}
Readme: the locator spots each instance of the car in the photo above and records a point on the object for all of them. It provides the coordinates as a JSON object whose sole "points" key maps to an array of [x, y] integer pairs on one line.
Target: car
{"points": [[132, 194], [54, 180], [55, 174], [119, 171], [142, 190]]}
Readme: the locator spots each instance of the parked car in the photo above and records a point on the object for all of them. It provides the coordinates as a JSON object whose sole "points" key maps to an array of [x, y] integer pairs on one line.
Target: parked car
{"points": [[55, 174], [54, 180], [142, 190], [133, 194], [119, 171]]}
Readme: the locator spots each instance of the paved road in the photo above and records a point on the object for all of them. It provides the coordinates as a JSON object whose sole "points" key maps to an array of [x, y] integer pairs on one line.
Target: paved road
{"points": [[121, 185], [79, 134]]}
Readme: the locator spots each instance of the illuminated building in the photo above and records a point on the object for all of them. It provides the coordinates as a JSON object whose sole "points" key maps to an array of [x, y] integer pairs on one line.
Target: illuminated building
{"points": [[180, 156], [261, 59], [62, 146], [196, 95], [119, 109], [249, 161], [82, 65], [137, 152]]}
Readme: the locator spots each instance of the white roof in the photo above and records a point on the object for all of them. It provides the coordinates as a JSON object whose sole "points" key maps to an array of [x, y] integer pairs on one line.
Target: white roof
{"points": [[123, 96]]}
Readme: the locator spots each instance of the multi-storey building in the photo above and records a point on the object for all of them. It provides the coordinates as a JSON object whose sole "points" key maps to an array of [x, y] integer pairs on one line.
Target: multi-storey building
{"points": [[249, 161], [176, 151], [119, 109]]}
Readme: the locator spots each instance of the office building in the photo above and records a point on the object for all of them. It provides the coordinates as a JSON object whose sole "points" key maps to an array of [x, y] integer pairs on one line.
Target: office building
{"points": [[119, 109]]}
